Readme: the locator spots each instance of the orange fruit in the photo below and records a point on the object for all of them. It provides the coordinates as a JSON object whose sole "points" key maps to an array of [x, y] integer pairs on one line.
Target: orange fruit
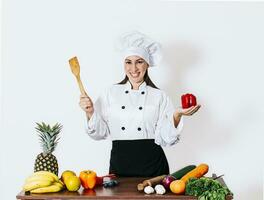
{"points": [[177, 186]]}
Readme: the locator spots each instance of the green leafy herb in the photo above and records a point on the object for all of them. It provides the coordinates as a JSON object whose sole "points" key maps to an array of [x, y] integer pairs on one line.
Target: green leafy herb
{"points": [[206, 189]]}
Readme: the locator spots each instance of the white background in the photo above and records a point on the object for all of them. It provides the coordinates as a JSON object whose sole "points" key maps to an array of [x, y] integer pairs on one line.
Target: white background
{"points": [[214, 50]]}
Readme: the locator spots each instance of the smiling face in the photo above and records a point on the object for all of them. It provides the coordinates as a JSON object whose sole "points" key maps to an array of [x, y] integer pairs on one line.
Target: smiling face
{"points": [[135, 68]]}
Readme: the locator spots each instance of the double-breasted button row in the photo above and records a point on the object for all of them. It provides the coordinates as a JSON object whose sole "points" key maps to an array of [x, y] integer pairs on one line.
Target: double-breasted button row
{"points": [[128, 92], [140, 107], [123, 128]]}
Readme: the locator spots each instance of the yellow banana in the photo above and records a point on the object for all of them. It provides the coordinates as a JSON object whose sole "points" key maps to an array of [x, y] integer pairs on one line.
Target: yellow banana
{"points": [[55, 187], [36, 184], [39, 177], [60, 182], [46, 173]]}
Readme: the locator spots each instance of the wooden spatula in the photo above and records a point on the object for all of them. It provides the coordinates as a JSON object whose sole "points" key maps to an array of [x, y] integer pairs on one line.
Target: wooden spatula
{"points": [[75, 68]]}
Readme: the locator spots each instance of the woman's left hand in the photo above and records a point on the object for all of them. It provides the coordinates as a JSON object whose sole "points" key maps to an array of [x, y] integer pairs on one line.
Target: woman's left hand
{"points": [[184, 111], [187, 111]]}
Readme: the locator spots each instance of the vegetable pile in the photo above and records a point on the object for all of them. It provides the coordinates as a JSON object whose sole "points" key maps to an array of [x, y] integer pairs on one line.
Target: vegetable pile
{"points": [[206, 189], [189, 180]]}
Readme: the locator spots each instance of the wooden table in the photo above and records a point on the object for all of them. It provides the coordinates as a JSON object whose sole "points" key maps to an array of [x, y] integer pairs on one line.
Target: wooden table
{"points": [[127, 189]]}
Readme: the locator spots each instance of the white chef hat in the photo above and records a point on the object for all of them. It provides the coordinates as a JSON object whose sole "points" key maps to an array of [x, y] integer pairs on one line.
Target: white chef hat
{"points": [[136, 43]]}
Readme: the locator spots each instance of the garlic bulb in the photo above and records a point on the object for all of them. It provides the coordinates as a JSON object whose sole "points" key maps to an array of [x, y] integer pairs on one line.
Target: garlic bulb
{"points": [[160, 189], [148, 190]]}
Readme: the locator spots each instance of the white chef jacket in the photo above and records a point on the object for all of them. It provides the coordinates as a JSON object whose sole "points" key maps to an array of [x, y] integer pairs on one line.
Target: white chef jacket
{"points": [[126, 114]]}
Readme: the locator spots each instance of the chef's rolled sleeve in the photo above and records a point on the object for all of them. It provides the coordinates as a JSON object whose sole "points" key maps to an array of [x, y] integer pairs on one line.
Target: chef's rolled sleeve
{"points": [[96, 126], [166, 133]]}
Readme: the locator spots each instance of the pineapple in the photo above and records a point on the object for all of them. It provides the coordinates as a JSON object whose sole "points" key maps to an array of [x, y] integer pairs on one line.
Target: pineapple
{"points": [[48, 136]]}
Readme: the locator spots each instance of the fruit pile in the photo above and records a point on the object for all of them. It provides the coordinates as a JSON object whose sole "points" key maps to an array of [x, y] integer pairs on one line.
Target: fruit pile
{"points": [[46, 182], [45, 177], [43, 182]]}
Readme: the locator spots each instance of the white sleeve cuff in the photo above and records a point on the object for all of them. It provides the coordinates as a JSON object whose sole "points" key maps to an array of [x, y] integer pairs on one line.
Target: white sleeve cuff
{"points": [[167, 134], [90, 124]]}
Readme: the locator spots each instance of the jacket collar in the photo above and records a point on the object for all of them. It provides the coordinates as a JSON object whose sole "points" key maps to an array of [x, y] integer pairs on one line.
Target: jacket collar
{"points": [[142, 87]]}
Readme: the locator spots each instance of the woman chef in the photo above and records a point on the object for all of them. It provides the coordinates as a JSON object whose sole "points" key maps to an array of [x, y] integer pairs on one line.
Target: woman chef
{"points": [[139, 117]]}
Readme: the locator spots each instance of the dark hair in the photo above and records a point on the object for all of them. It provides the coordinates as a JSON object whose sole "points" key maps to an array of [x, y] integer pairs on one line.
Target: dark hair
{"points": [[146, 79]]}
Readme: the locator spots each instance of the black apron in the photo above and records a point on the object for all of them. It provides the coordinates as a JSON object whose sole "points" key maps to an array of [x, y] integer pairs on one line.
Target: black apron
{"points": [[137, 158]]}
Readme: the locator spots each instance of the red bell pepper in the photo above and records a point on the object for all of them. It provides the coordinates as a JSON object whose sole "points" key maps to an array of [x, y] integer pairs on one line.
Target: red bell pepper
{"points": [[100, 179], [188, 100]]}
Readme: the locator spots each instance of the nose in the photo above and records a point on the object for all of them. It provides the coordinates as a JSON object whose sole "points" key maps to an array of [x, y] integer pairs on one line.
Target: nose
{"points": [[134, 68]]}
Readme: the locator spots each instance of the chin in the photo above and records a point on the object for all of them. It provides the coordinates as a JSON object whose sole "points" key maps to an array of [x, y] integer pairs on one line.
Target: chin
{"points": [[136, 80]]}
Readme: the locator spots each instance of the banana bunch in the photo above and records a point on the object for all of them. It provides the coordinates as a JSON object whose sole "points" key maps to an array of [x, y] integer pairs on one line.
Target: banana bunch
{"points": [[43, 182]]}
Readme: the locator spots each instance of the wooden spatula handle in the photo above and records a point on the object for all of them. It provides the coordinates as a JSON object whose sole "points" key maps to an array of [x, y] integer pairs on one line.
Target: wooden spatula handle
{"points": [[82, 90], [141, 186]]}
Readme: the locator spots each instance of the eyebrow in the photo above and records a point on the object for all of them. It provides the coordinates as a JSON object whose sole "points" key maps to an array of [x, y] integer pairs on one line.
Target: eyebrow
{"points": [[136, 60]]}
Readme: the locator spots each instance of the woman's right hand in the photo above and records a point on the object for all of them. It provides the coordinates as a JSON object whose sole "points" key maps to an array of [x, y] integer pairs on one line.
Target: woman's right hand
{"points": [[87, 105]]}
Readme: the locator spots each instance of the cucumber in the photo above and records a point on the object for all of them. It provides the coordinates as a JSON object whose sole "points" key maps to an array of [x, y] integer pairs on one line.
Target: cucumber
{"points": [[180, 173]]}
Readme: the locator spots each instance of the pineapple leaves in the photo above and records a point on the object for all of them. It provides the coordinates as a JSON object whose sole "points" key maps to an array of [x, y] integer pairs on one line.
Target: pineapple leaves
{"points": [[48, 136]]}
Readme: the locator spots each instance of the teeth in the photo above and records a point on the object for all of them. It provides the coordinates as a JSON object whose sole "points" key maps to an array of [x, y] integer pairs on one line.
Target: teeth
{"points": [[134, 75]]}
